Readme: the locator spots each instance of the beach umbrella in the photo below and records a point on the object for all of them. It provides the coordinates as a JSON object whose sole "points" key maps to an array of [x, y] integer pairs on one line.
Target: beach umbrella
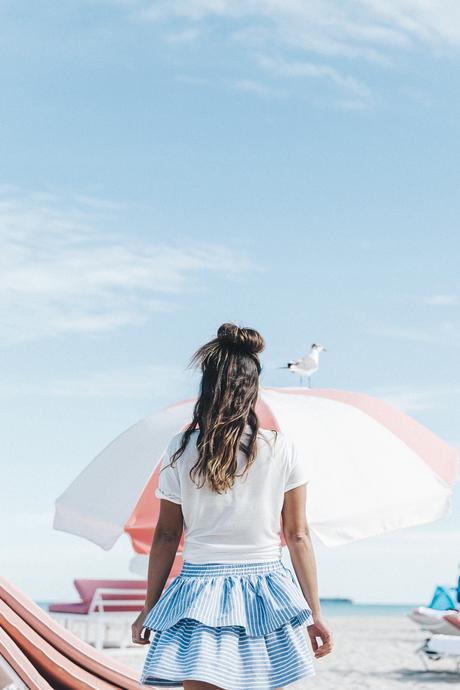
{"points": [[371, 469]]}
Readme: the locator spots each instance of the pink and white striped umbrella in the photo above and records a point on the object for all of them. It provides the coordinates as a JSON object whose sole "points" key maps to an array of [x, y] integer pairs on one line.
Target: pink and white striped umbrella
{"points": [[372, 469]]}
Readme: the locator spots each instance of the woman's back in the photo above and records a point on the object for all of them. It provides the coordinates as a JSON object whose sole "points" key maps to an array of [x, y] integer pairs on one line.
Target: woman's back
{"points": [[242, 524], [234, 616]]}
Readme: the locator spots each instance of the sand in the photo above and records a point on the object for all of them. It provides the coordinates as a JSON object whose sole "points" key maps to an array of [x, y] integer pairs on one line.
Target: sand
{"points": [[375, 653], [378, 654]]}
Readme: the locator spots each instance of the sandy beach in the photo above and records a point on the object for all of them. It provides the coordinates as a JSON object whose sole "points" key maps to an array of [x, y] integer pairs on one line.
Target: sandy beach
{"points": [[371, 653], [378, 654]]}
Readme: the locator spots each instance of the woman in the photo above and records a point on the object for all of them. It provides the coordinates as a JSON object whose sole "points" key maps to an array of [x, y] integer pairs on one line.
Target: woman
{"points": [[235, 617]]}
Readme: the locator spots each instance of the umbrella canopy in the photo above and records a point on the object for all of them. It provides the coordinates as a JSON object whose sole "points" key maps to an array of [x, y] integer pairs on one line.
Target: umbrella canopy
{"points": [[372, 469]]}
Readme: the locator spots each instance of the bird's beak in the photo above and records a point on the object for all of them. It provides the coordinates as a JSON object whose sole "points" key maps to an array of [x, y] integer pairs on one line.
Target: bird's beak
{"points": [[324, 349]]}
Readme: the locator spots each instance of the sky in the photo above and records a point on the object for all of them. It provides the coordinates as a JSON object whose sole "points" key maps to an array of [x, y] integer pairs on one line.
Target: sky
{"points": [[168, 166]]}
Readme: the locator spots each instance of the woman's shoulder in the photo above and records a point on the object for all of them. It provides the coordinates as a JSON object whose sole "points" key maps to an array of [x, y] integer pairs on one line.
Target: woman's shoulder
{"points": [[277, 440], [272, 433], [267, 433], [175, 442]]}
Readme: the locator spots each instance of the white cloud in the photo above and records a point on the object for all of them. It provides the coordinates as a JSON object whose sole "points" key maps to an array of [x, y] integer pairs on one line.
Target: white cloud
{"points": [[443, 300], [446, 332], [405, 399], [154, 381], [192, 80], [255, 87], [429, 21], [63, 271], [99, 203], [376, 31], [364, 28], [357, 92], [185, 36], [410, 399]]}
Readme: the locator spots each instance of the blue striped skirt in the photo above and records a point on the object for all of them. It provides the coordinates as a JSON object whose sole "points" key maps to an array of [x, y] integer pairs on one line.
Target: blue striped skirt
{"points": [[234, 625]]}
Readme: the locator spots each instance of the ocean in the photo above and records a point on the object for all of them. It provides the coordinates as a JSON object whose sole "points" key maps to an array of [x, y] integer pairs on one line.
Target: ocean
{"points": [[343, 608], [347, 608]]}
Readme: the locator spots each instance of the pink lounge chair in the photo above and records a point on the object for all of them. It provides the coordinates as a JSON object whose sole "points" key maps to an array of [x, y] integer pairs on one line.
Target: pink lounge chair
{"points": [[106, 606], [105, 596], [110, 595], [62, 658]]}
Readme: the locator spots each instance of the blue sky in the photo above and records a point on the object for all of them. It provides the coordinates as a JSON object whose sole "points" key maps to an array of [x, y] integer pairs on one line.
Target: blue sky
{"points": [[167, 166]]}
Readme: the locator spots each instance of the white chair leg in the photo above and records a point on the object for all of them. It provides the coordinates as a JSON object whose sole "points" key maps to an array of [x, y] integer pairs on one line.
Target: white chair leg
{"points": [[99, 640]]}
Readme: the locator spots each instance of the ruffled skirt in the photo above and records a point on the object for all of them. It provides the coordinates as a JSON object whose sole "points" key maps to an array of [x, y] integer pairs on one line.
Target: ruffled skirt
{"points": [[239, 626]]}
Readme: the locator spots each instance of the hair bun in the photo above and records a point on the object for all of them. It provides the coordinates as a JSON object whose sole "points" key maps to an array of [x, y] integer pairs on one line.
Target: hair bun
{"points": [[245, 339]]}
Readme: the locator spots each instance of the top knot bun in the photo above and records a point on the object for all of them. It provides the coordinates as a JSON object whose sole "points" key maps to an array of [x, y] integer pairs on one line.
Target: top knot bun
{"points": [[245, 339]]}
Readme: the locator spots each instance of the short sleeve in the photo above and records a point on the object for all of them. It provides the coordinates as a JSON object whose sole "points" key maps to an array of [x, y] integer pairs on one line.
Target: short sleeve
{"points": [[168, 485], [297, 472]]}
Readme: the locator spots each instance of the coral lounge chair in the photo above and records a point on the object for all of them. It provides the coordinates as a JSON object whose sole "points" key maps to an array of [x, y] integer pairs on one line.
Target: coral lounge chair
{"points": [[116, 596], [106, 606], [59, 657], [16, 670]]}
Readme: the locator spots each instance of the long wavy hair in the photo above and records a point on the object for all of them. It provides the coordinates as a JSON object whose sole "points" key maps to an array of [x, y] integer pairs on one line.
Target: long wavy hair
{"points": [[226, 404]]}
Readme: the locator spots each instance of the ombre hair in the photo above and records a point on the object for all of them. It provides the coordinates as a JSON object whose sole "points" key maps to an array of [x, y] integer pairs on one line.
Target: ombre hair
{"points": [[225, 405]]}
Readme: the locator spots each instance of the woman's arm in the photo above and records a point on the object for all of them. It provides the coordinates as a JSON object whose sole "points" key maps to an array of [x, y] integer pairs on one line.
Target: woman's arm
{"points": [[166, 538], [297, 536]]}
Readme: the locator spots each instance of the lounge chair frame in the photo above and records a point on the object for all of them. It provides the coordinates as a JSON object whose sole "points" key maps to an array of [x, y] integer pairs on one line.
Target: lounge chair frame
{"points": [[424, 653], [101, 618]]}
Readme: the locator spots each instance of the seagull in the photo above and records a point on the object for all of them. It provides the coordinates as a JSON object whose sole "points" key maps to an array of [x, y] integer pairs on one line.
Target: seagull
{"points": [[308, 365]]}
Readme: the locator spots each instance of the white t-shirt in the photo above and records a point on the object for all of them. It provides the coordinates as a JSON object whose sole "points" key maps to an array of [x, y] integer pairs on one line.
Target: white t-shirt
{"points": [[242, 524]]}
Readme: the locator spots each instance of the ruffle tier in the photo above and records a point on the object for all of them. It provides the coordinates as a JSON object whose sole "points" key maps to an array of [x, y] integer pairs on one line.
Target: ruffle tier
{"points": [[227, 657], [257, 599]]}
